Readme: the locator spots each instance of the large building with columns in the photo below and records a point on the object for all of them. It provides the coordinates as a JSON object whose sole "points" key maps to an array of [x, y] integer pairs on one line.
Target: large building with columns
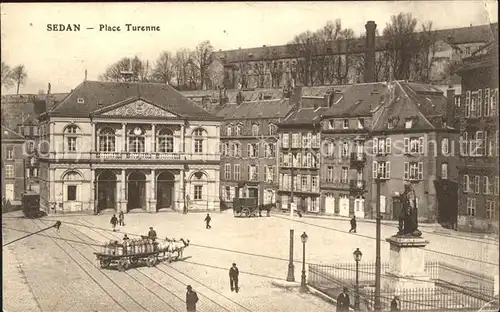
{"points": [[128, 146]]}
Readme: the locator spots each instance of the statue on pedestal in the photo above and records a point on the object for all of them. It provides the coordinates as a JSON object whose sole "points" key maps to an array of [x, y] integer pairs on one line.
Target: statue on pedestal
{"points": [[408, 217]]}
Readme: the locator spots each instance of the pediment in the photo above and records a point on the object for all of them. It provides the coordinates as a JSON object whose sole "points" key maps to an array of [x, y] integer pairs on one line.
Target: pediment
{"points": [[138, 108]]}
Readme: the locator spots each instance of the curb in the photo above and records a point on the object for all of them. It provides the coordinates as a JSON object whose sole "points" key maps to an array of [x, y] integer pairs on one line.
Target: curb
{"points": [[324, 296], [285, 284]]}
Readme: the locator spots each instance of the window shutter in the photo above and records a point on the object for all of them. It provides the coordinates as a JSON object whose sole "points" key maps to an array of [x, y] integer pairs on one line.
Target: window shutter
{"points": [[257, 150], [407, 169], [479, 102], [421, 145], [232, 192], [375, 146], [479, 143], [485, 143], [476, 184], [466, 183], [407, 145], [467, 104], [486, 102], [387, 169], [374, 170], [420, 170], [496, 185], [388, 146], [485, 185]]}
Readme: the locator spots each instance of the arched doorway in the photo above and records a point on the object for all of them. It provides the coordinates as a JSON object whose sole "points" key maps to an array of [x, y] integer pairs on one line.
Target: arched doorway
{"points": [[165, 189], [136, 192], [106, 191]]}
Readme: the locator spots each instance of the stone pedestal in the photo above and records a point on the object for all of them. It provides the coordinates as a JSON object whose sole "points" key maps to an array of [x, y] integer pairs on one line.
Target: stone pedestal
{"points": [[122, 206], [152, 206], [407, 264]]}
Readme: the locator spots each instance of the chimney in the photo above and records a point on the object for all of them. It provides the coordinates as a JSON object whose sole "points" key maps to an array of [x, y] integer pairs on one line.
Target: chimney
{"points": [[296, 96], [239, 98], [85, 75], [326, 99], [370, 51], [48, 89], [450, 107]]}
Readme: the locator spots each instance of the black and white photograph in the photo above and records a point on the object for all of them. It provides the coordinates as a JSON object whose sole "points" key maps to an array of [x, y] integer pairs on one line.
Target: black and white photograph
{"points": [[250, 156]]}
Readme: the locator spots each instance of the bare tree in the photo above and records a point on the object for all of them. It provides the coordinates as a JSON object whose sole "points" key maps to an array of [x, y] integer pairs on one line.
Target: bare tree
{"points": [[180, 66], [303, 47], [164, 68], [201, 60], [138, 68], [425, 56], [19, 76], [381, 66], [7, 80]]}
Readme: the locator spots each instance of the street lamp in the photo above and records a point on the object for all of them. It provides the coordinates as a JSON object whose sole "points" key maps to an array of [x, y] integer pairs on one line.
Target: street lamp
{"points": [[303, 287], [357, 257]]}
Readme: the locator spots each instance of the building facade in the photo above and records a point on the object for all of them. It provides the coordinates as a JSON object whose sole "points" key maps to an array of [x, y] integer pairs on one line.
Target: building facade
{"points": [[125, 146], [250, 149], [478, 170], [13, 177]]}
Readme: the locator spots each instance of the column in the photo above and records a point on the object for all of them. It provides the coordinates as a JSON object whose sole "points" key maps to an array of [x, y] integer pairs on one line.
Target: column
{"points": [[92, 201], [153, 136], [217, 141], [52, 185], [182, 195], [152, 196], [93, 143], [124, 137], [183, 144], [52, 139], [123, 193]]}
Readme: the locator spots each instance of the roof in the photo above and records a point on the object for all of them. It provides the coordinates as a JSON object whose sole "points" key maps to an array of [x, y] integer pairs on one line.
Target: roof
{"points": [[358, 99], [481, 33], [255, 109], [98, 95], [412, 100], [308, 115], [9, 134]]}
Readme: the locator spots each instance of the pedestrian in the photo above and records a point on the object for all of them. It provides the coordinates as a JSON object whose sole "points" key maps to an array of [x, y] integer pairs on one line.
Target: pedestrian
{"points": [[125, 238], [343, 301], [207, 220], [394, 304], [233, 278], [353, 225], [191, 299], [121, 218], [113, 222], [152, 233]]}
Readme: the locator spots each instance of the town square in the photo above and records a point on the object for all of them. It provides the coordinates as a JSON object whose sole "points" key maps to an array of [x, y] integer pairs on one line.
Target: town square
{"points": [[347, 160]]}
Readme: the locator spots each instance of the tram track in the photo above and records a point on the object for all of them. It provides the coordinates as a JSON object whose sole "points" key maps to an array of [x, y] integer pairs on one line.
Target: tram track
{"points": [[171, 276]]}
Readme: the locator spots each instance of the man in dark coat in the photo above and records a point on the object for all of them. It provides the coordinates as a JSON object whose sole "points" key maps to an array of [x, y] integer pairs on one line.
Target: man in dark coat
{"points": [[394, 304], [152, 233], [233, 277], [113, 222], [121, 218], [207, 220], [353, 225], [191, 299], [343, 301]]}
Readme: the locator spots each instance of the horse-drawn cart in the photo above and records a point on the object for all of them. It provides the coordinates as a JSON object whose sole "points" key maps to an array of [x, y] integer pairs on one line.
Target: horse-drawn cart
{"points": [[129, 253], [249, 207]]}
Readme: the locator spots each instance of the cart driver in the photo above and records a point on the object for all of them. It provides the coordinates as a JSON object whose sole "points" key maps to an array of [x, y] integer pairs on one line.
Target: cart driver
{"points": [[152, 233]]}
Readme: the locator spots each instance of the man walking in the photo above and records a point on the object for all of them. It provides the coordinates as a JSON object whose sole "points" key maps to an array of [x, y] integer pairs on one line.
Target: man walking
{"points": [[233, 278], [343, 301], [113, 222], [121, 218], [207, 220], [353, 225], [191, 299]]}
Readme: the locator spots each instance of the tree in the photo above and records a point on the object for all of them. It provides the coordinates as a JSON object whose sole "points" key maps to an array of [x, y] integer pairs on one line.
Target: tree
{"points": [[274, 67], [181, 62], [380, 68], [164, 68], [201, 60], [425, 56], [139, 70], [19, 76], [303, 47], [7, 81]]}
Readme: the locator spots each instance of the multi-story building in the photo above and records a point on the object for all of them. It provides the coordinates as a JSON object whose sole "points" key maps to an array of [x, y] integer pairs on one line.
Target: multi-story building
{"points": [[478, 170], [13, 179], [249, 148], [125, 146], [278, 66]]}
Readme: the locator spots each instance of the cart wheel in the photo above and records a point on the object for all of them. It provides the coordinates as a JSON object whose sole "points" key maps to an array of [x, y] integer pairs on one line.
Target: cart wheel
{"points": [[123, 265], [105, 263], [151, 261], [134, 260], [246, 212]]}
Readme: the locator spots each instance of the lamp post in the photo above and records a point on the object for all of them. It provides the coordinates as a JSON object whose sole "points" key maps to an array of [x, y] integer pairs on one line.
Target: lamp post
{"points": [[377, 305], [291, 269], [357, 257], [303, 286]]}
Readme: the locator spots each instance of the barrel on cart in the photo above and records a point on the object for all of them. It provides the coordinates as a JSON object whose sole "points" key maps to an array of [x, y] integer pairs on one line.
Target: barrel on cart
{"points": [[128, 253], [31, 205]]}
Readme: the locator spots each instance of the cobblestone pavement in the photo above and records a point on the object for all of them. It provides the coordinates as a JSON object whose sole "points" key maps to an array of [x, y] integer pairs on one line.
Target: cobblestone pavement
{"points": [[64, 275]]}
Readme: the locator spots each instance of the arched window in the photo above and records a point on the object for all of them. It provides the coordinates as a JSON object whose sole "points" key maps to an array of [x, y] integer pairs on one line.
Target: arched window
{"points": [[71, 134], [71, 180], [225, 149], [445, 146], [166, 141], [107, 140], [236, 149], [255, 129], [237, 130], [229, 130], [273, 130], [444, 171], [136, 140], [199, 185], [199, 139]]}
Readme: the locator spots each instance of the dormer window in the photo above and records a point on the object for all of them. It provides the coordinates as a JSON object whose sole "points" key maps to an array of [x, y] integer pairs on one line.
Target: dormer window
{"points": [[390, 124], [331, 125], [408, 123], [345, 124], [80, 100], [361, 123]]}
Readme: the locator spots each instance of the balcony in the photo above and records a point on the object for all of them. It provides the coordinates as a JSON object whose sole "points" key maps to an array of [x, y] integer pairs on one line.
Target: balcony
{"points": [[413, 178], [357, 185], [130, 156], [337, 185], [358, 159]]}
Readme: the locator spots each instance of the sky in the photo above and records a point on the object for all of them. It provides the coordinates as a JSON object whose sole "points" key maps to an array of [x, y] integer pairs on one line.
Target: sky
{"points": [[61, 58]]}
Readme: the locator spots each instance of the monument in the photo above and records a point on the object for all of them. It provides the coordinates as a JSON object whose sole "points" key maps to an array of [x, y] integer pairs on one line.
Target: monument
{"points": [[407, 258]]}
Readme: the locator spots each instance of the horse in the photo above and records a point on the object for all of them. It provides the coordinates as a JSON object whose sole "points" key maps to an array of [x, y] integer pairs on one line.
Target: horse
{"points": [[172, 246], [266, 207]]}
